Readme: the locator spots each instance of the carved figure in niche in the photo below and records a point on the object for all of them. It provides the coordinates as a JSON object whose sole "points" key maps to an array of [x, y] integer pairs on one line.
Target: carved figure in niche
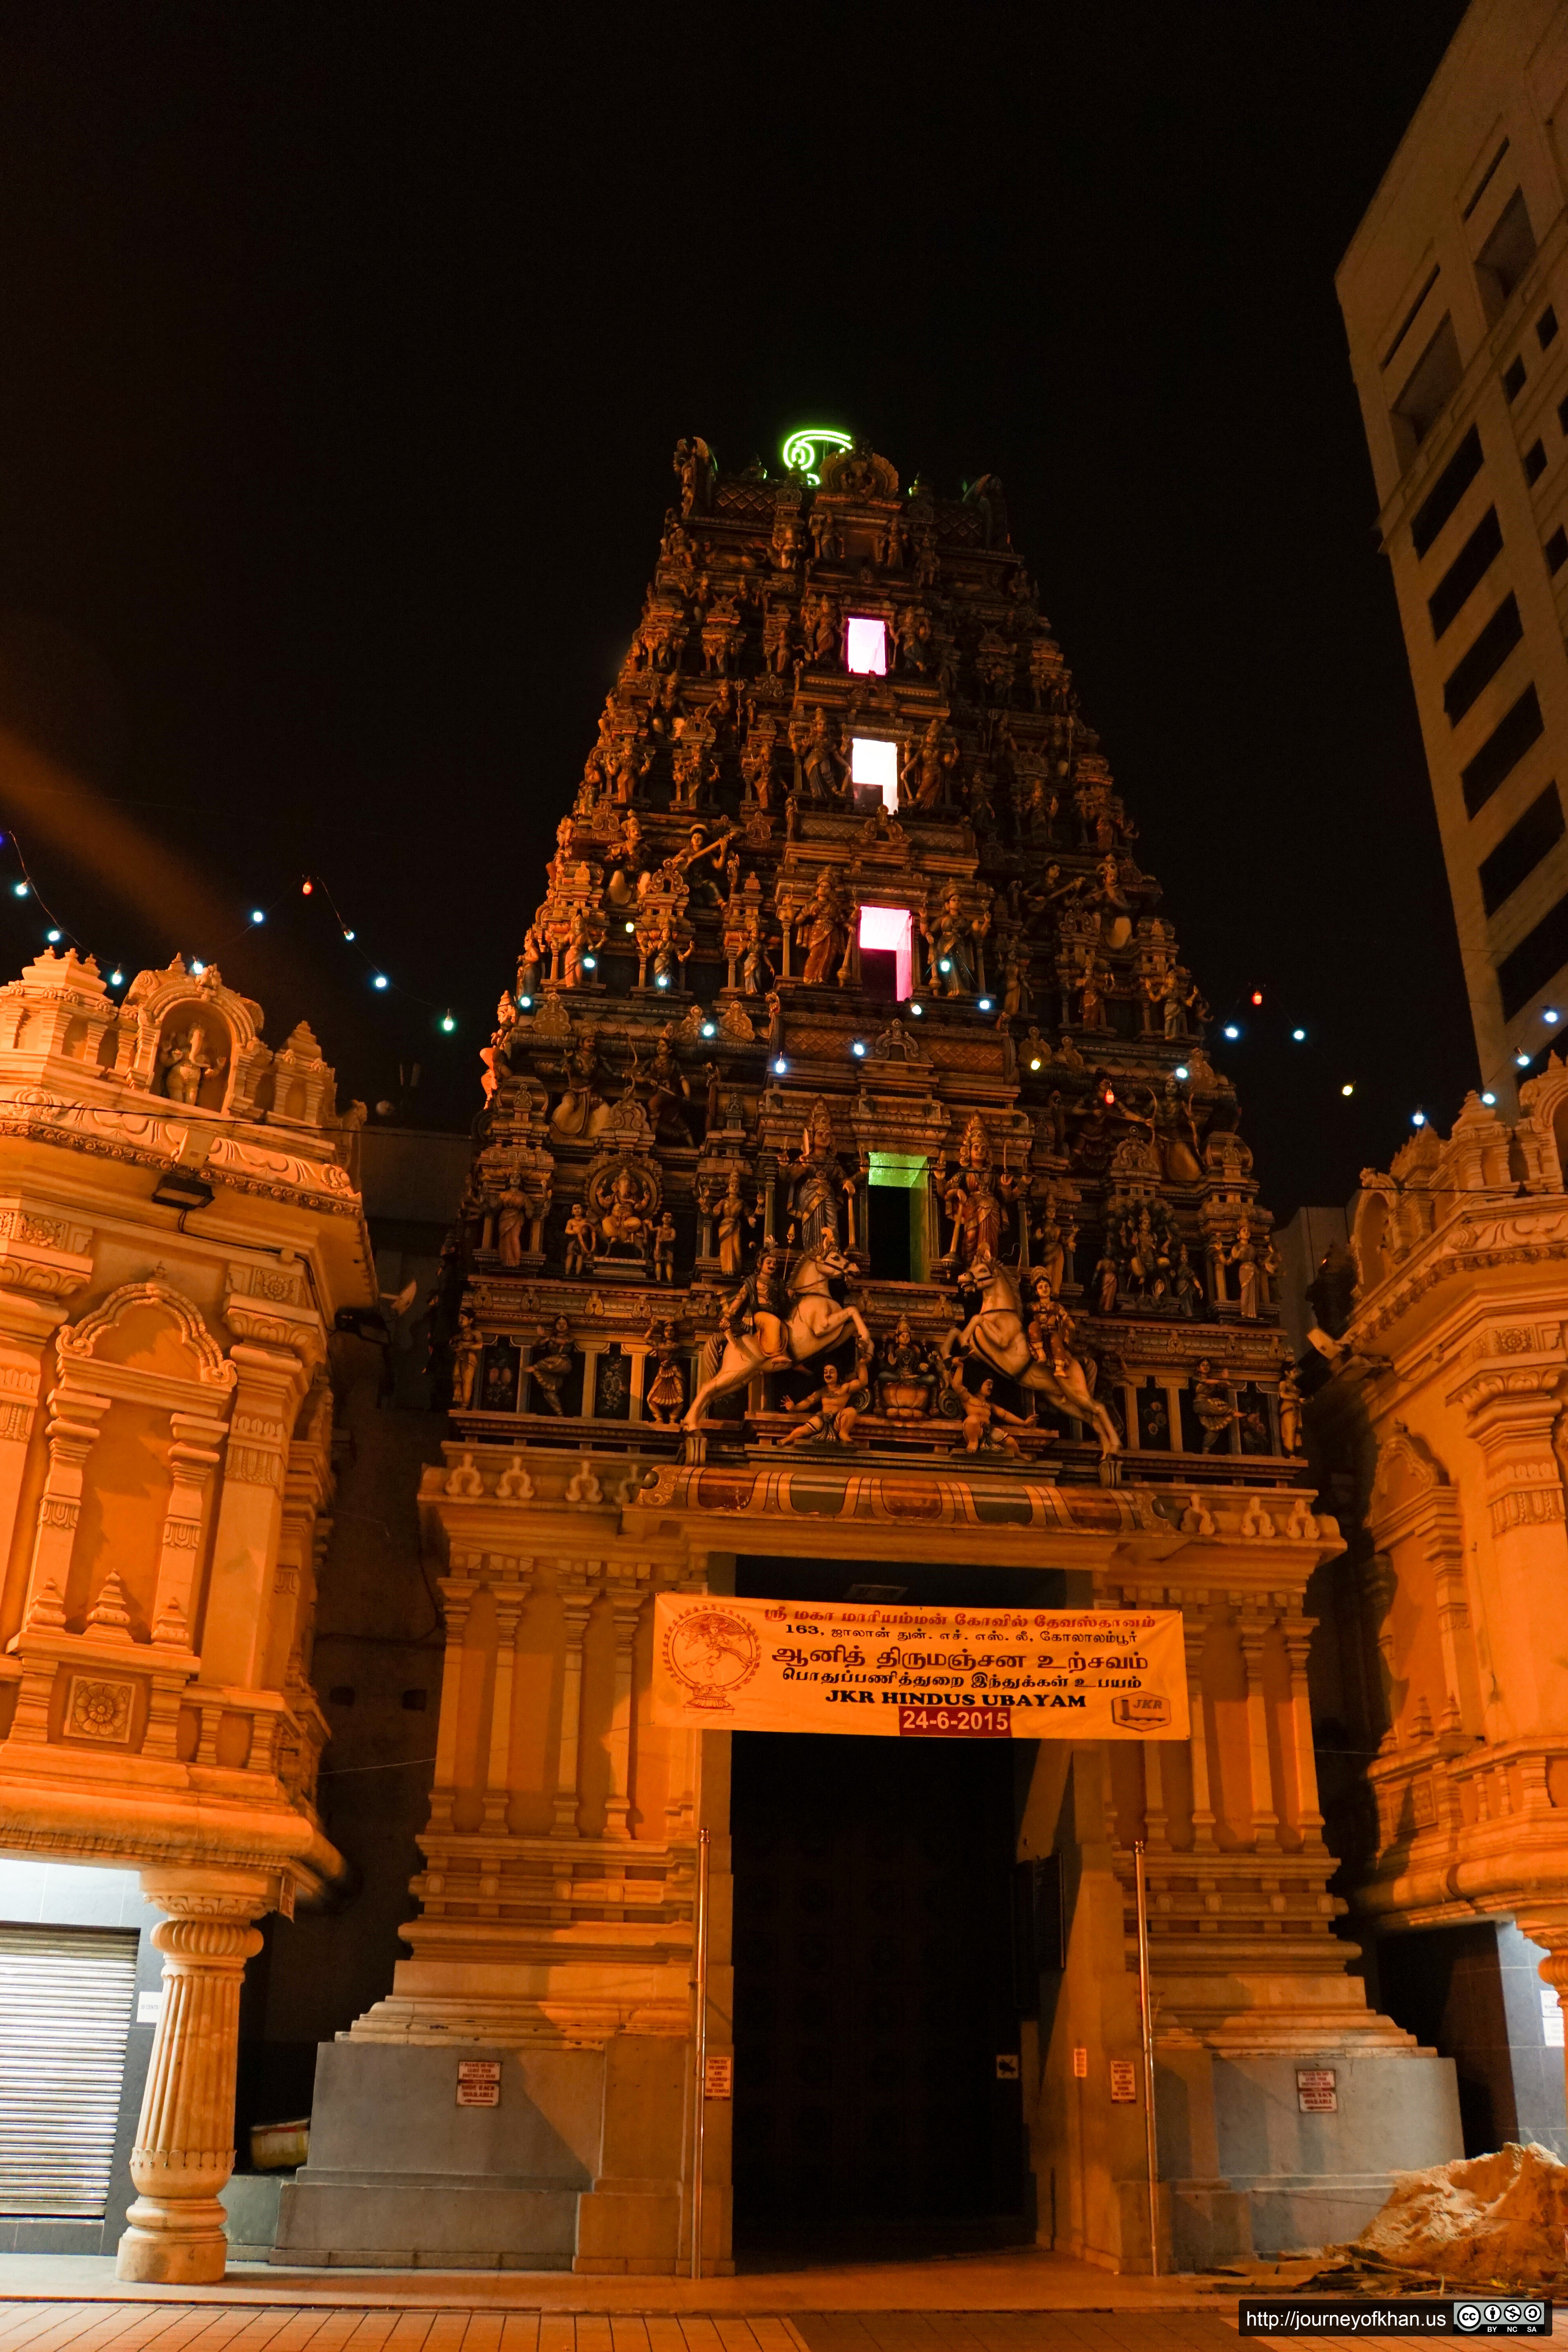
{"points": [[1057, 1240], [824, 931], [756, 968], [531, 963], [1178, 1137], [823, 768], [732, 1217], [185, 1062], [776, 1025], [1251, 1264], [1212, 1407], [1289, 1412], [664, 1249], [895, 547], [824, 634], [1185, 1287], [670, 1089], [694, 470], [513, 1208], [583, 939], [976, 1213], [666, 1392], [672, 946], [905, 1383], [917, 642], [1107, 1279], [632, 761], [713, 1114], [627, 861], [582, 1241], [550, 1366], [467, 1346], [581, 1110], [981, 1415], [628, 1198], [925, 767], [833, 1409], [818, 1182], [1091, 997], [778, 636], [948, 935], [1016, 997]]}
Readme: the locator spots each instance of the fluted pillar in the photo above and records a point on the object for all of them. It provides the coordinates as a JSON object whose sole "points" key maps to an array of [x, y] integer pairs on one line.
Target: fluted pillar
{"points": [[185, 2141]]}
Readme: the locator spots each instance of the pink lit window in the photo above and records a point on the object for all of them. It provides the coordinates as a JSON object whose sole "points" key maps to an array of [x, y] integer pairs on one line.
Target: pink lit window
{"points": [[868, 647], [888, 928], [874, 767]]}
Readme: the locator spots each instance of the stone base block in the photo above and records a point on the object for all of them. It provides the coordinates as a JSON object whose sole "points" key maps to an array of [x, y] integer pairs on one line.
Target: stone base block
{"points": [[442, 2224], [250, 2201], [1210, 2222]]}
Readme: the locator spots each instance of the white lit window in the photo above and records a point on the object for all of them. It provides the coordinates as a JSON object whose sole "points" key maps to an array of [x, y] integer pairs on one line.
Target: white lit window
{"points": [[890, 928], [867, 648], [876, 765]]}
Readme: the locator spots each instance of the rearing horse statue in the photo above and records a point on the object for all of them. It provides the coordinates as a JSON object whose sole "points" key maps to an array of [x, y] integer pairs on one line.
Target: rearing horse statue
{"points": [[814, 1324], [997, 1333]]}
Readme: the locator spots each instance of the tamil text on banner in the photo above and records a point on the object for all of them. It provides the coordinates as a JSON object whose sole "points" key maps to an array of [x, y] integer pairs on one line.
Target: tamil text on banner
{"points": [[903, 1671]]}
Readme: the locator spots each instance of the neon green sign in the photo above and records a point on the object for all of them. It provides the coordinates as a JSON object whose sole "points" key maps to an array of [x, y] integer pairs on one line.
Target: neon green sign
{"points": [[804, 451]]}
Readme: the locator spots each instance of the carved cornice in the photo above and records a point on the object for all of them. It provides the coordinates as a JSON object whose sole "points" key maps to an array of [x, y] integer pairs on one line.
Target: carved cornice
{"points": [[1489, 1233]]}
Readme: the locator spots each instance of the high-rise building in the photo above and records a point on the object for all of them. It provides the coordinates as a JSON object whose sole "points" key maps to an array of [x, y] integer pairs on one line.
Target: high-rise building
{"points": [[857, 1221], [1452, 291]]}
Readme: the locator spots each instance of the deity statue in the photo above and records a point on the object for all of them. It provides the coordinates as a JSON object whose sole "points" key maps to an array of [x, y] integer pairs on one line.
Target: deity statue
{"points": [[1213, 1407], [832, 1409], [664, 1239], [732, 1217], [981, 1415], [1251, 1264], [756, 968], [1185, 1287], [185, 1063], [824, 931], [948, 935], [976, 1214], [822, 767], [624, 1223], [669, 1090], [581, 1111], [467, 1348], [818, 1184], [905, 1381], [1289, 1412], [924, 771], [665, 1397], [531, 963], [512, 1207], [550, 1364], [582, 1241]]}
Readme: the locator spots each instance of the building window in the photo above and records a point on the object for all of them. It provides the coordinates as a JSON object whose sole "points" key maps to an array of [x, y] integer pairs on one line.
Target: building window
{"points": [[874, 770], [1546, 327], [1447, 490], [896, 1203], [1534, 462], [866, 648], [1476, 669], [1428, 390], [1513, 378], [1410, 317], [1503, 750], [1538, 957], [1522, 849], [1557, 550], [887, 931], [1484, 183], [1471, 565], [1505, 257]]}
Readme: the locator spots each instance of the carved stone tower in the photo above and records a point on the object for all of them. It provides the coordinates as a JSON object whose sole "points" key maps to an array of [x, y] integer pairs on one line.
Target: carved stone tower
{"points": [[855, 1197]]}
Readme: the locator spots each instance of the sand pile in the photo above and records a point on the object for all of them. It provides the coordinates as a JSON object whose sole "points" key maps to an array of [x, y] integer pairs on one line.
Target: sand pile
{"points": [[1479, 2221]]}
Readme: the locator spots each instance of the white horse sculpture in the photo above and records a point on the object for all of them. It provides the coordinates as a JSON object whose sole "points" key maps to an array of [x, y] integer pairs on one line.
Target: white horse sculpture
{"points": [[996, 1332], [816, 1324]]}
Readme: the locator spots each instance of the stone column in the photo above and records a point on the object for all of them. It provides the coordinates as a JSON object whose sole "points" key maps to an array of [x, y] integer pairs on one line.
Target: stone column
{"points": [[250, 1513], [511, 1591], [1298, 1632], [626, 1604], [1511, 1404], [1254, 1632], [457, 1593], [74, 1416], [577, 1601], [192, 1457], [185, 2142], [1194, 1636], [26, 1327]]}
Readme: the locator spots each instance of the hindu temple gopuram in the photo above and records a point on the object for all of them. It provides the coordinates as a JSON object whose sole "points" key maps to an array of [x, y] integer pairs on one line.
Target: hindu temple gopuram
{"points": [[856, 1213]]}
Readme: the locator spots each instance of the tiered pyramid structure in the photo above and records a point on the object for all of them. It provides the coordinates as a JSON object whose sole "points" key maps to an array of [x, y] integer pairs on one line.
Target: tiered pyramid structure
{"points": [[850, 1062]]}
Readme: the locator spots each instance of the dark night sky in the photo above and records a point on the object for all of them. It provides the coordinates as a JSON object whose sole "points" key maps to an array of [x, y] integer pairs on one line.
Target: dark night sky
{"points": [[343, 350]]}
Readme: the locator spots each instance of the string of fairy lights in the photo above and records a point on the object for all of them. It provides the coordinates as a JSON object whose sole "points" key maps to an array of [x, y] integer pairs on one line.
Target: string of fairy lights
{"points": [[59, 934], [1233, 1029]]}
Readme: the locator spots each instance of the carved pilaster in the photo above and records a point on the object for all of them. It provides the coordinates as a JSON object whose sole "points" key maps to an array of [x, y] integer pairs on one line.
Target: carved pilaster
{"points": [[1298, 1634], [511, 1590], [457, 1592], [73, 1424], [1195, 1634], [577, 1598], [1254, 1633]]}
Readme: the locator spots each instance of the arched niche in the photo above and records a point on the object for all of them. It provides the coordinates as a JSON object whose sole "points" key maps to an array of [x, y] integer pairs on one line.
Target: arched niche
{"points": [[193, 1064]]}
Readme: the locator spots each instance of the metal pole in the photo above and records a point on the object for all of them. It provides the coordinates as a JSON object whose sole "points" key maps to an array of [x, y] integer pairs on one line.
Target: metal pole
{"points": [[700, 2048], [1146, 2009]]}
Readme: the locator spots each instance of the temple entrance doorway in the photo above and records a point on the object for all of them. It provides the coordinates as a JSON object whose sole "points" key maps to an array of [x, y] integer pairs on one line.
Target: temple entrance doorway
{"points": [[877, 1989]]}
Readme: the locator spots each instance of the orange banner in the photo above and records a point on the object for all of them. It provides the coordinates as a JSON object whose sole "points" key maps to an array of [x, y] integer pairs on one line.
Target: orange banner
{"points": [[899, 1671]]}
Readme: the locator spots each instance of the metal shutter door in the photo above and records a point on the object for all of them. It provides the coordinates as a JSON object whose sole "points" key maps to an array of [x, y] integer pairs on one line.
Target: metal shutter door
{"points": [[65, 2015]]}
